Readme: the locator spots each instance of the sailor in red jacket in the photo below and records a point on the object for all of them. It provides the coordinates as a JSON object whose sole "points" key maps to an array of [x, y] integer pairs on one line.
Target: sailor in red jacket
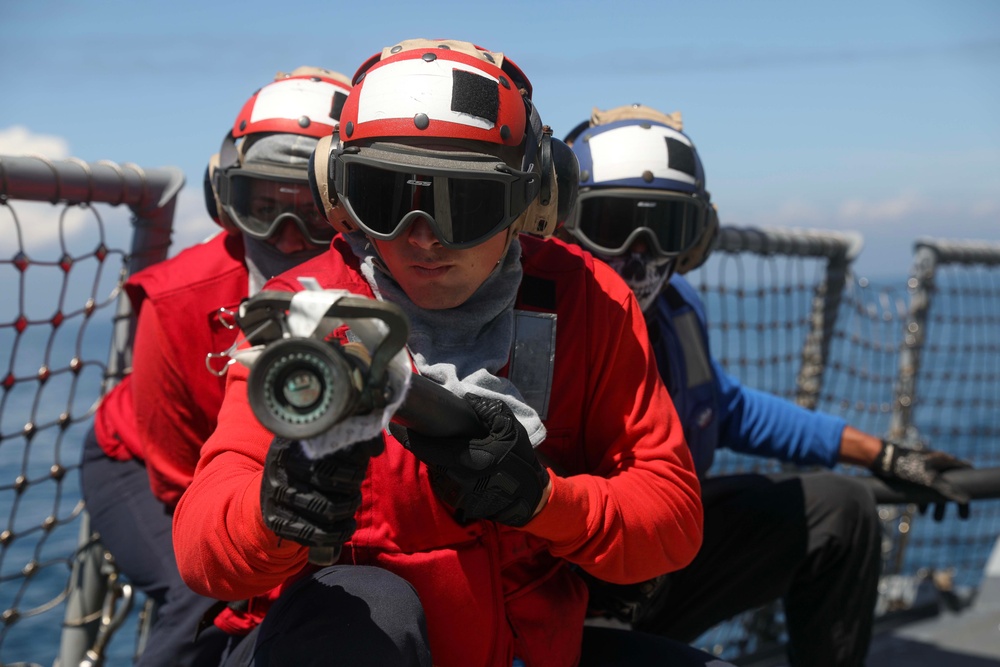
{"points": [[149, 429], [458, 552]]}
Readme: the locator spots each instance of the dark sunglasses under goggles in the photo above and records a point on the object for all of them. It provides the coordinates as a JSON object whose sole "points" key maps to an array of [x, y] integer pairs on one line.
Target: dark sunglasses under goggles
{"points": [[466, 198], [609, 221]]}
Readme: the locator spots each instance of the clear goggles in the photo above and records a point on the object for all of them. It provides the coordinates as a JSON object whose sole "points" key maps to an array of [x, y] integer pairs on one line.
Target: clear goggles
{"points": [[466, 198], [608, 221], [260, 203]]}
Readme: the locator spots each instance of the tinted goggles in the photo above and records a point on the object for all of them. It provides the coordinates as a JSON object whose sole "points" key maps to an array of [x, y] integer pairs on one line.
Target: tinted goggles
{"points": [[260, 204], [609, 221], [465, 198]]}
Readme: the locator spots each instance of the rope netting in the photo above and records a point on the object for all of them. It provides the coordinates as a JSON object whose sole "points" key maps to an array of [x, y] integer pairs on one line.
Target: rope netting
{"points": [[950, 400], [918, 359], [70, 234], [58, 308]]}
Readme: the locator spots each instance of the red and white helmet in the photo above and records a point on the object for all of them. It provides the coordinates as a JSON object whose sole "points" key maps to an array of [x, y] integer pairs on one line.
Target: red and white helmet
{"points": [[419, 91], [307, 101], [443, 89], [305, 105]]}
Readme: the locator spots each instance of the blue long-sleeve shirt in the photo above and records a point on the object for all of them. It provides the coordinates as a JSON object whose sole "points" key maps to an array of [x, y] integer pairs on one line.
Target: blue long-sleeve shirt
{"points": [[715, 409]]}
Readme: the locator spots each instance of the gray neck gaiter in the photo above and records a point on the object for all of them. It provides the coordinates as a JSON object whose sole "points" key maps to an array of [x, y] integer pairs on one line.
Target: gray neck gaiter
{"points": [[463, 347], [264, 261]]}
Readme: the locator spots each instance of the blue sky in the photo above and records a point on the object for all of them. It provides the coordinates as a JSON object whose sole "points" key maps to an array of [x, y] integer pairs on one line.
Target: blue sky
{"points": [[875, 116]]}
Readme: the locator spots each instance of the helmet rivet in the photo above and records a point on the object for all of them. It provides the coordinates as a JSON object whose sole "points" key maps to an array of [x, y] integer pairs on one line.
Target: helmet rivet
{"points": [[349, 128], [243, 125], [504, 132], [421, 121], [646, 126], [314, 78], [504, 82], [488, 56], [586, 138], [444, 46], [304, 121], [584, 175], [429, 57], [647, 176], [396, 49]]}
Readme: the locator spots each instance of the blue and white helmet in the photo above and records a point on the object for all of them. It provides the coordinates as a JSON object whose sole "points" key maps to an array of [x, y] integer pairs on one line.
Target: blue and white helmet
{"points": [[639, 153], [642, 204]]}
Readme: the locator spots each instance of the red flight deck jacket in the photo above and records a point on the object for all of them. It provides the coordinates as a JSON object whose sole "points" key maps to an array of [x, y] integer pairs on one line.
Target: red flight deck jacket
{"points": [[166, 408], [626, 506]]}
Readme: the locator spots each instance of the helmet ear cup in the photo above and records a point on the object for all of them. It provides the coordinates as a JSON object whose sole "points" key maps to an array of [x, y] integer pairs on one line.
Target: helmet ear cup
{"points": [[542, 215], [314, 180], [699, 252], [566, 169], [560, 181], [212, 203], [540, 218], [324, 196]]}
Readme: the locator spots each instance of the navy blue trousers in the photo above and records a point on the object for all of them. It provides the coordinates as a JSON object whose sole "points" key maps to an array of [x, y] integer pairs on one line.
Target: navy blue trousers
{"points": [[811, 540], [349, 615], [357, 616]]}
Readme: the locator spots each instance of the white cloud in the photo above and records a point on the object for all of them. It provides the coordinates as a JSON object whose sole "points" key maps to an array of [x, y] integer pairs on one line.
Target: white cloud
{"points": [[899, 211], [911, 214], [40, 222], [986, 208], [889, 225], [886, 210], [794, 213], [19, 140], [35, 218]]}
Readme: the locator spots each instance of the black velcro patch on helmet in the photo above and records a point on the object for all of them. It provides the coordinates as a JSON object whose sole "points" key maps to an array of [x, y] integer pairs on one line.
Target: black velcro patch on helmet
{"points": [[337, 105], [475, 95], [680, 156]]}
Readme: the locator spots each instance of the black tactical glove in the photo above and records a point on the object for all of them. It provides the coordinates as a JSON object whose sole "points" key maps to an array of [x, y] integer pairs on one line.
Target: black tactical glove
{"points": [[496, 477], [922, 467], [312, 501]]}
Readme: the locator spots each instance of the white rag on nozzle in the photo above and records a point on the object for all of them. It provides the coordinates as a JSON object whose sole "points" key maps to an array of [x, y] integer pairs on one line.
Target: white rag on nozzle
{"points": [[307, 318]]}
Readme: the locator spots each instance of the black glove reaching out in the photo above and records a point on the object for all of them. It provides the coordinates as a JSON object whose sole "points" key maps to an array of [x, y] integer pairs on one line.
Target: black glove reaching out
{"points": [[922, 467], [312, 501], [496, 477]]}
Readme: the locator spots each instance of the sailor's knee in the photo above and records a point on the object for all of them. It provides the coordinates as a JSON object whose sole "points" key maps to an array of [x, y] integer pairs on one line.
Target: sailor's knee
{"points": [[381, 588]]}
